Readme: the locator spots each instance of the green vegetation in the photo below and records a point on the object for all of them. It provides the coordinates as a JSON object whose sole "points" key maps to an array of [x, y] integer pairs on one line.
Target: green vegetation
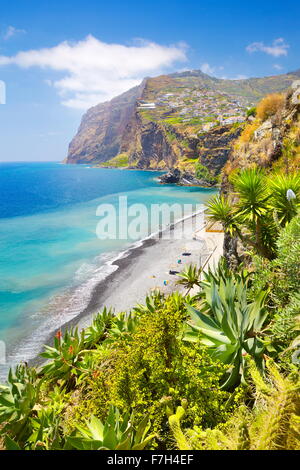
{"points": [[202, 172], [118, 161], [214, 368], [230, 326], [251, 112], [261, 210]]}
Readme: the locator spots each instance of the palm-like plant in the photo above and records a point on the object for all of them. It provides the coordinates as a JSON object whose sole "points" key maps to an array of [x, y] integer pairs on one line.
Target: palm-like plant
{"points": [[190, 277], [229, 326], [259, 207], [285, 208], [117, 433]]}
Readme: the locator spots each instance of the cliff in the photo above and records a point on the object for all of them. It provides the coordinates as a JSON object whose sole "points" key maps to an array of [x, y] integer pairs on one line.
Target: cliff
{"points": [[271, 141], [102, 127], [171, 121]]}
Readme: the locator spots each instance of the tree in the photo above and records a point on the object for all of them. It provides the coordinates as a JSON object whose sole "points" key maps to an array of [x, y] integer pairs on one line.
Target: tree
{"points": [[258, 208]]}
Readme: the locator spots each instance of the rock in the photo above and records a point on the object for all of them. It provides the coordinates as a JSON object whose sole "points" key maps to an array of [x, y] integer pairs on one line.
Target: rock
{"points": [[175, 176], [172, 177], [263, 130]]}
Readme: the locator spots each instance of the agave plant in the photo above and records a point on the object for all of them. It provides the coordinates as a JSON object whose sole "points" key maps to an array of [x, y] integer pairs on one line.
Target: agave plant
{"points": [[97, 332], [122, 327], [222, 272], [117, 433], [153, 302], [190, 277], [229, 326], [17, 401], [66, 358]]}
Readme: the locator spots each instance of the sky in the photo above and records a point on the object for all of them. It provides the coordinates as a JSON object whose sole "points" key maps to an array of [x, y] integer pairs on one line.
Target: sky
{"points": [[59, 58]]}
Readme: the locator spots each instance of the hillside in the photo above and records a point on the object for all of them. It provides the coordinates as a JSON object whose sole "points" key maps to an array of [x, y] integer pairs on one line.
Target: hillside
{"points": [[270, 141], [171, 121], [211, 362]]}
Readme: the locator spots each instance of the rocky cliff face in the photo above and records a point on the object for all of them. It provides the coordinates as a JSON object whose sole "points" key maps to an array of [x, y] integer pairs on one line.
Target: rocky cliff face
{"points": [[102, 128], [170, 121], [273, 144]]}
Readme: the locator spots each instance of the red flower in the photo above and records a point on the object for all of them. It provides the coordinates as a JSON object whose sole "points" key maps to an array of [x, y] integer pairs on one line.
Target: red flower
{"points": [[58, 334]]}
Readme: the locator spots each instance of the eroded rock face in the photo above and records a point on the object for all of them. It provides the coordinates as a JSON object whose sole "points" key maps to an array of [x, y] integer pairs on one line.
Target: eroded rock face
{"points": [[215, 147], [264, 149], [102, 127], [175, 176], [152, 141]]}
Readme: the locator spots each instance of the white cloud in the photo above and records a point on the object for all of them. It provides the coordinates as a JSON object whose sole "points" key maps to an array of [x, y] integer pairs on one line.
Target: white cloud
{"points": [[95, 71], [278, 48], [277, 67], [206, 68], [12, 31], [210, 70]]}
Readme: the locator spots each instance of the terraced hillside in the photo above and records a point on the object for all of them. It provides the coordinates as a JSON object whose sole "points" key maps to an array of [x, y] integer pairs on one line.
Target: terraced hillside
{"points": [[171, 121]]}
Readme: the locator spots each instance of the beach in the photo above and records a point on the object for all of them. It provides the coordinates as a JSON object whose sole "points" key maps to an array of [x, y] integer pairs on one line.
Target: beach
{"points": [[146, 268]]}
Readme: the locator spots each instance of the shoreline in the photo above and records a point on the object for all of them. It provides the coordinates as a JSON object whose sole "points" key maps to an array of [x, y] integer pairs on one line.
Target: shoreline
{"points": [[144, 267]]}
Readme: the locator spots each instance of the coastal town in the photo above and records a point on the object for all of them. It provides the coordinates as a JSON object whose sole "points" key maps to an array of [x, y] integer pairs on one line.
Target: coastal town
{"points": [[201, 107]]}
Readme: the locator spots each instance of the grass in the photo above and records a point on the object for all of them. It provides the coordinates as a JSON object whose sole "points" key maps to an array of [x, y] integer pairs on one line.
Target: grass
{"points": [[119, 161]]}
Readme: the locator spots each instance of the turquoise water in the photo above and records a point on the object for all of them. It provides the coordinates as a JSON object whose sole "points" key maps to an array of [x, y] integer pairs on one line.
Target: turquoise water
{"points": [[51, 257]]}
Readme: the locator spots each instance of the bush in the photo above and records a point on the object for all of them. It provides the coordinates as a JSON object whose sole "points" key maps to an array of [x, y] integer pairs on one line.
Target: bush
{"points": [[248, 132], [251, 112], [202, 172], [289, 254], [156, 370], [270, 105]]}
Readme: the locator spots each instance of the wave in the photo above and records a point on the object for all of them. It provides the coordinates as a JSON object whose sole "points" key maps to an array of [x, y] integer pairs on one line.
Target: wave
{"points": [[70, 302]]}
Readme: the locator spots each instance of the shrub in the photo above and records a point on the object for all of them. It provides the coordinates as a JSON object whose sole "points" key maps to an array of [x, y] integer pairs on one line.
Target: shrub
{"points": [[289, 254], [156, 369], [273, 424], [248, 132], [251, 112], [202, 172], [270, 105]]}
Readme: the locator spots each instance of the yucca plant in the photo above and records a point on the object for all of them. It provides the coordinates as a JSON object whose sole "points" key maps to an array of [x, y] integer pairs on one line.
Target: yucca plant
{"points": [[116, 433], [285, 207], [190, 277], [229, 326], [17, 401], [259, 207]]}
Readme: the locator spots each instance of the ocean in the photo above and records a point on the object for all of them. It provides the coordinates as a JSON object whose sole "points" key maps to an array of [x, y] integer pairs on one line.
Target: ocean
{"points": [[51, 257]]}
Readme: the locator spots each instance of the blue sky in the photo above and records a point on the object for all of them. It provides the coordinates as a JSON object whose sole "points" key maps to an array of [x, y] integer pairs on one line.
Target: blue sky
{"points": [[59, 58]]}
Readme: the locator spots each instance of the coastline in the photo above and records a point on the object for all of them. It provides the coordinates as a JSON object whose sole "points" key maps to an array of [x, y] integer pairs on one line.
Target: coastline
{"points": [[144, 267], [127, 279]]}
